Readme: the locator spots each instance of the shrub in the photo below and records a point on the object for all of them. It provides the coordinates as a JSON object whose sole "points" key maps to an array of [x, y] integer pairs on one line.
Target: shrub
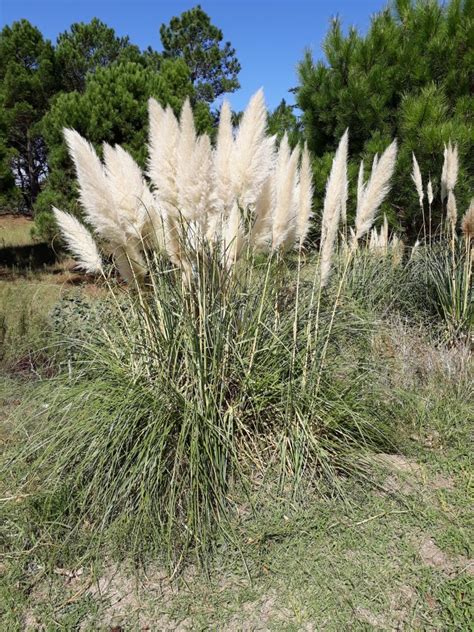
{"points": [[188, 392]]}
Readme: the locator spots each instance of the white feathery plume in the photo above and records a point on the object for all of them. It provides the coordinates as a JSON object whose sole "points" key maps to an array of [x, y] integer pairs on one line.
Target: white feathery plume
{"points": [[384, 238], [155, 116], [305, 197], [449, 174], [453, 167], [186, 175], [79, 241], [127, 188], [360, 183], [152, 231], [281, 159], [94, 191], [261, 233], [416, 245], [223, 193], [444, 175], [416, 177], [344, 194], [332, 207], [293, 199], [373, 239], [131, 198], [123, 263], [451, 209], [429, 192], [203, 183], [162, 169], [375, 191], [162, 165], [285, 180], [375, 162], [253, 151], [467, 224], [233, 237], [135, 204]]}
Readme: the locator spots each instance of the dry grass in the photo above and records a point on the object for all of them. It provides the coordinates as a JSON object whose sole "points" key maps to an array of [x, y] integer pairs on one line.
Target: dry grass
{"points": [[15, 231]]}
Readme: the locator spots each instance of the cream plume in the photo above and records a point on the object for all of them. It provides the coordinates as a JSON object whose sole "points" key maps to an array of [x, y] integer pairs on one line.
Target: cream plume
{"points": [[375, 191], [129, 263], [290, 193], [467, 223], [223, 192], [285, 180], [162, 165], [135, 206], [261, 233], [305, 197], [155, 116], [449, 174], [94, 191], [414, 250], [429, 192], [416, 177], [332, 207], [375, 162], [451, 209], [453, 167], [360, 183], [233, 238], [444, 175], [79, 241], [384, 238], [397, 248], [253, 152], [127, 188], [186, 175], [202, 188]]}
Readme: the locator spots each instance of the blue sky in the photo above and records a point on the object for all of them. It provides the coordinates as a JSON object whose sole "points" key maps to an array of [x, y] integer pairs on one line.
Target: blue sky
{"points": [[269, 35]]}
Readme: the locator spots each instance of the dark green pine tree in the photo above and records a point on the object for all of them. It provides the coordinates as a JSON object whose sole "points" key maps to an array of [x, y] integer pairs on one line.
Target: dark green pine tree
{"points": [[410, 77], [213, 65], [87, 47], [28, 79], [283, 119]]}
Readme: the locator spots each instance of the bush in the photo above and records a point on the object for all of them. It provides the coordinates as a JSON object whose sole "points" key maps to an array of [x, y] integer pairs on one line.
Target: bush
{"points": [[187, 392]]}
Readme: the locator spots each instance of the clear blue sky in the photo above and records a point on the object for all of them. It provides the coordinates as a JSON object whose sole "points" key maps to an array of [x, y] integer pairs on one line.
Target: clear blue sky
{"points": [[269, 35]]}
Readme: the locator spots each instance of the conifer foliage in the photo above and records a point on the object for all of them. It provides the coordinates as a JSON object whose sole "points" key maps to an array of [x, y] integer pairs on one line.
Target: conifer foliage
{"points": [[410, 77]]}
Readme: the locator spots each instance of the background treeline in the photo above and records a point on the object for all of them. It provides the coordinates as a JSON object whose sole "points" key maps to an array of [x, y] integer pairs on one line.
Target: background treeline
{"points": [[411, 76]]}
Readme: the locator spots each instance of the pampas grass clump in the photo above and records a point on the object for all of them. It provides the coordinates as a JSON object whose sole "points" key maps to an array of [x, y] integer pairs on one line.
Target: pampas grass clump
{"points": [[243, 195], [190, 394], [445, 260]]}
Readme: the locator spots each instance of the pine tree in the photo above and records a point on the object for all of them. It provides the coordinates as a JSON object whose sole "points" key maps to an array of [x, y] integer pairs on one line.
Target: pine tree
{"points": [[283, 119], [410, 77], [214, 66], [87, 47], [28, 79]]}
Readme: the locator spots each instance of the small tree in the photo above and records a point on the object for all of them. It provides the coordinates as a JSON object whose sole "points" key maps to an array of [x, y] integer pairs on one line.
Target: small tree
{"points": [[213, 67], [28, 79]]}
